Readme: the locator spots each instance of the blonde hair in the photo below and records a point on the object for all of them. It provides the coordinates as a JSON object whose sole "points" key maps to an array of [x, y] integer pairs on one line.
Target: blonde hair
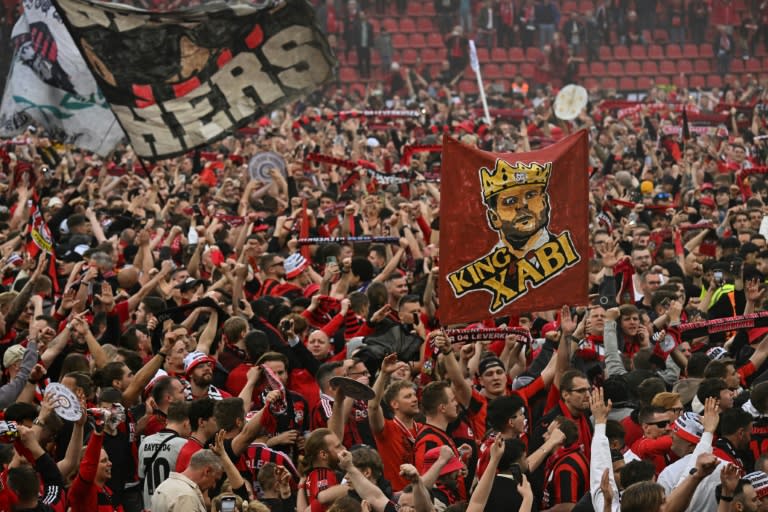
{"points": [[665, 400]]}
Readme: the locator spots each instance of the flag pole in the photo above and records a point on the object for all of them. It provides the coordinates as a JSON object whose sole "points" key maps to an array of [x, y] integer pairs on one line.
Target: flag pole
{"points": [[475, 65]]}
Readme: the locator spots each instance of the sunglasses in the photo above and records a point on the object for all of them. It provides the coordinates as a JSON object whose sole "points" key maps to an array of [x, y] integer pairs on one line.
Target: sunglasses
{"points": [[660, 424]]}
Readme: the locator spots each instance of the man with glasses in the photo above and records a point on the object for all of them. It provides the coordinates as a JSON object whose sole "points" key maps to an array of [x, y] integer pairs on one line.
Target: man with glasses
{"points": [[272, 268], [573, 404], [656, 442]]}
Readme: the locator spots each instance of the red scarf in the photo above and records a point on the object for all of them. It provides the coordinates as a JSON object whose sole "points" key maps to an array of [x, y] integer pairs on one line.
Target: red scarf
{"points": [[585, 431]]}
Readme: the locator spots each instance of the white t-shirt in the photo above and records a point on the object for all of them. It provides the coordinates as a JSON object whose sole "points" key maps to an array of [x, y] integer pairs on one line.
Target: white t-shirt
{"points": [[164, 463]]}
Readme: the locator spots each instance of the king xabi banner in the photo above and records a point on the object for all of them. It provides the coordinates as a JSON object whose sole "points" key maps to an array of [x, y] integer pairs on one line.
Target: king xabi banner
{"points": [[515, 235], [177, 80], [50, 84]]}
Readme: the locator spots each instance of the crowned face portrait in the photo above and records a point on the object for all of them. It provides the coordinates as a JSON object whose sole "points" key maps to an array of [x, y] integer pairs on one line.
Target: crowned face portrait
{"points": [[527, 254]]}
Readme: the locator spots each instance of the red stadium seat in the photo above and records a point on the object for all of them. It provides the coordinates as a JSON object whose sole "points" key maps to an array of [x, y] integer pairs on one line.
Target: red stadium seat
{"points": [[754, 66], [492, 71], [667, 68], [673, 52], [417, 41], [499, 55], [608, 83], [413, 9], [435, 41], [705, 50], [468, 87], [527, 69], [348, 74], [407, 26], [621, 53], [632, 68], [425, 26], [591, 84], [604, 52], [615, 69], [430, 56], [697, 81], [509, 70], [627, 84], [656, 52], [650, 69], [532, 54], [638, 52], [483, 55], [409, 56], [597, 69], [643, 83], [714, 81], [516, 55], [399, 41], [390, 24], [703, 66], [737, 66], [690, 51], [684, 66]]}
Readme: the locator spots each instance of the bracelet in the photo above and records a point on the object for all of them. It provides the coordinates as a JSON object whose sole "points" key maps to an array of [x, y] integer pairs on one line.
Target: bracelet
{"points": [[162, 354]]}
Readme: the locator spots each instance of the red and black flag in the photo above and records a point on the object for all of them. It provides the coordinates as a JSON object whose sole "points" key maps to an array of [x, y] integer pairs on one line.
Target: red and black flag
{"points": [[40, 240]]}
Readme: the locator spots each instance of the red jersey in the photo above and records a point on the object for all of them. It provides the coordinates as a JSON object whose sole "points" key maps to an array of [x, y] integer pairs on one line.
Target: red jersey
{"points": [[396, 442], [191, 447], [84, 493], [318, 480]]}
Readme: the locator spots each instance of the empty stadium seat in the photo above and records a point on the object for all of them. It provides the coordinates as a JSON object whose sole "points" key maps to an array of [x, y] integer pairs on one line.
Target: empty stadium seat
{"points": [[643, 82], [650, 68], [690, 51], [516, 55], [632, 68], [615, 69], [435, 40], [621, 53], [656, 52], [417, 41], [399, 41], [673, 51], [697, 81], [627, 84], [499, 55], [407, 26], [684, 66], [638, 52]]}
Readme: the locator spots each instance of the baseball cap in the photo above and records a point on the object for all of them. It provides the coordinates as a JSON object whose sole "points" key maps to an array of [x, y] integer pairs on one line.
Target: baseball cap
{"points": [[431, 457], [646, 187], [688, 427], [295, 265], [13, 355], [759, 481], [160, 375], [488, 363], [716, 353], [706, 186], [707, 201], [195, 359]]}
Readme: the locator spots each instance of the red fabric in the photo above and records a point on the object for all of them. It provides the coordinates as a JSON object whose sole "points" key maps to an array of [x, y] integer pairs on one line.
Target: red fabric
{"points": [[85, 494], [186, 453], [632, 431], [399, 443], [489, 277], [654, 450]]}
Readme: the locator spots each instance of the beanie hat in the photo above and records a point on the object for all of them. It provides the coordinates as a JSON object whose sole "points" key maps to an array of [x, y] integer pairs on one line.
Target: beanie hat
{"points": [[688, 427], [759, 481], [195, 359], [295, 265]]}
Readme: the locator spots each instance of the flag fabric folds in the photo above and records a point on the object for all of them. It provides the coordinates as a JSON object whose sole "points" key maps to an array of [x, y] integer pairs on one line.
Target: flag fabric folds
{"points": [[50, 84], [40, 240], [514, 230], [178, 80]]}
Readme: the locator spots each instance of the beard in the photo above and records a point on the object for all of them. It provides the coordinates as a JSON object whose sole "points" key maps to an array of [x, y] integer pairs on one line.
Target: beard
{"points": [[517, 237], [203, 380]]}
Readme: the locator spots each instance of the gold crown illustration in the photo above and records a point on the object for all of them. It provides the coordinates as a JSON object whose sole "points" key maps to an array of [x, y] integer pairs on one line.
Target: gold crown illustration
{"points": [[507, 175]]}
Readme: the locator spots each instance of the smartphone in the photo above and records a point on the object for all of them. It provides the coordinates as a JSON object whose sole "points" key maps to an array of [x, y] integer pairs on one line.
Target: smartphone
{"points": [[415, 319], [516, 472], [330, 259], [718, 276], [228, 504]]}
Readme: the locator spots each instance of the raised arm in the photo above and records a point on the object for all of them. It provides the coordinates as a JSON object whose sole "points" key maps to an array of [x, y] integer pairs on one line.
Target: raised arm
{"points": [[460, 386], [375, 414], [366, 489]]}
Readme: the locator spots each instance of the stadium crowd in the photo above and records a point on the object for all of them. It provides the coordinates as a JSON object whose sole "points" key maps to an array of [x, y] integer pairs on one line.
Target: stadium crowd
{"points": [[199, 313]]}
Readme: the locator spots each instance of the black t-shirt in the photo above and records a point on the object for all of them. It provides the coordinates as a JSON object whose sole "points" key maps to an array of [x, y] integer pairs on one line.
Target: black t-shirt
{"points": [[504, 495]]}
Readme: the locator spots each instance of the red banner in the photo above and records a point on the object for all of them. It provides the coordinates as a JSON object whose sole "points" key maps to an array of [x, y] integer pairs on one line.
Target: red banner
{"points": [[516, 230]]}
